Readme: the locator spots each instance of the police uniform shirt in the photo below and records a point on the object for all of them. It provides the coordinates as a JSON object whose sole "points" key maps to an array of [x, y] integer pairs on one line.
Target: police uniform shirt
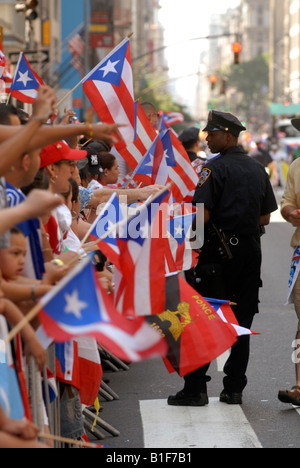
{"points": [[237, 191]]}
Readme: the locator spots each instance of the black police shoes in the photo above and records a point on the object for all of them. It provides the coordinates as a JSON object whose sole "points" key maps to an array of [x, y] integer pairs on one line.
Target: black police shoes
{"points": [[184, 399], [231, 398]]}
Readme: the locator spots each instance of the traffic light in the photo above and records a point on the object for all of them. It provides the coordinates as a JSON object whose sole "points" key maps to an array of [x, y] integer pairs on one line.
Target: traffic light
{"points": [[213, 80], [28, 7], [236, 49], [223, 86]]}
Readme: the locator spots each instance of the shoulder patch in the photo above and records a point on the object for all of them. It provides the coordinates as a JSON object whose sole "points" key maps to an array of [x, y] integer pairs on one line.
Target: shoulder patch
{"points": [[204, 175]]}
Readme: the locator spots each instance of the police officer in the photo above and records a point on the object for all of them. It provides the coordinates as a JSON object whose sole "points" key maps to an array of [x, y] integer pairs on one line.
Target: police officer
{"points": [[238, 199]]}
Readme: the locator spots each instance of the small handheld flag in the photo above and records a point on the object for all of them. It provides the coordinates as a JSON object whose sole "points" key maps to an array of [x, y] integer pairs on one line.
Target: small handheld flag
{"points": [[78, 306], [109, 87], [26, 82]]}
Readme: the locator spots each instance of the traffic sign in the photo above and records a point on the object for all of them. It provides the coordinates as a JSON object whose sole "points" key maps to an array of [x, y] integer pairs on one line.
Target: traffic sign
{"points": [[33, 56]]}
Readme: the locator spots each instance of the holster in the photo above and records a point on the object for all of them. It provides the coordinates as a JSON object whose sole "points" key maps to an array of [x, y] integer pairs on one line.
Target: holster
{"points": [[209, 280], [216, 245]]}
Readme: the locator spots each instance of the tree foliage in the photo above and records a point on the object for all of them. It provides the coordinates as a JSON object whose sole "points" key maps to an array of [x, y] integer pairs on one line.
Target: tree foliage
{"points": [[249, 77]]}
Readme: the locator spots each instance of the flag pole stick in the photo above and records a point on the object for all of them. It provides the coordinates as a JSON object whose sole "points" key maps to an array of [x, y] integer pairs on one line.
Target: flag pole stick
{"points": [[79, 443], [124, 221], [22, 323], [68, 94]]}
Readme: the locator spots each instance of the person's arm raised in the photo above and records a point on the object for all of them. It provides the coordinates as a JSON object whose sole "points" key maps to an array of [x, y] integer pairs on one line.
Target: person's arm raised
{"points": [[14, 143], [38, 203]]}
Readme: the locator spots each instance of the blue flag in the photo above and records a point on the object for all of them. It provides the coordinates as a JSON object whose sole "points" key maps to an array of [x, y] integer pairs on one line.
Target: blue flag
{"points": [[10, 395]]}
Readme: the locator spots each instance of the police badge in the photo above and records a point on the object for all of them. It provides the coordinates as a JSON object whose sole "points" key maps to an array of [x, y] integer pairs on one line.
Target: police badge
{"points": [[204, 175]]}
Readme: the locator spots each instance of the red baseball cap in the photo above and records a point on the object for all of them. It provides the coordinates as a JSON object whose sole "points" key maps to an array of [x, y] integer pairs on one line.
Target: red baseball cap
{"points": [[58, 151]]}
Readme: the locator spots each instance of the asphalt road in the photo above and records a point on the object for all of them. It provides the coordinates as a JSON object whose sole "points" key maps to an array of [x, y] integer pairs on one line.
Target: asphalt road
{"points": [[276, 425]]}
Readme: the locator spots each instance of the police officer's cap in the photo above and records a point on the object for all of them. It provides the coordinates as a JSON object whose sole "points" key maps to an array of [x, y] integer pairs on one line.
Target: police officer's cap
{"points": [[296, 123], [225, 122], [189, 134]]}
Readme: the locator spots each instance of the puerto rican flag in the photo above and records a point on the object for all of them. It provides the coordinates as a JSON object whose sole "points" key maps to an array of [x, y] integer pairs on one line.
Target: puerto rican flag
{"points": [[26, 82], [153, 167], [8, 79], [49, 384], [104, 229], [90, 369], [66, 362], [109, 87], [171, 118], [140, 281], [78, 306], [226, 313], [180, 256], [167, 160], [144, 136], [181, 171]]}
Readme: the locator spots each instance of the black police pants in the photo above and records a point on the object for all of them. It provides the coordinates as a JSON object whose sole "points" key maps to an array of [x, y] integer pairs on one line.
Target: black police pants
{"points": [[238, 281]]}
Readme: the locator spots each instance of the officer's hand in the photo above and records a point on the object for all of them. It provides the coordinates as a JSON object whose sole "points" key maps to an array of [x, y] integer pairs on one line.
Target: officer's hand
{"points": [[294, 218]]}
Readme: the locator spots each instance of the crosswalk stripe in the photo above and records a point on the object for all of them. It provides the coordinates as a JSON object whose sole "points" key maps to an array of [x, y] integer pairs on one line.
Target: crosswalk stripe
{"points": [[216, 425], [221, 360]]}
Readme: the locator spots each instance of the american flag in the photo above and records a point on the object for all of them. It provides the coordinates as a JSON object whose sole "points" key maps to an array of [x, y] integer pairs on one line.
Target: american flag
{"points": [[109, 87], [77, 63], [26, 82], [76, 46]]}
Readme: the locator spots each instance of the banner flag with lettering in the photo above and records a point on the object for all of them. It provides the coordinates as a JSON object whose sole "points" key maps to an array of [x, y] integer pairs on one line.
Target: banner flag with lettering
{"points": [[195, 333]]}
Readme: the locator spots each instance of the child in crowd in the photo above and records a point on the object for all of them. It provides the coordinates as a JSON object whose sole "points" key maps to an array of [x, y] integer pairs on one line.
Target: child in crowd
{"points": [[13, 316], [21, 290]]}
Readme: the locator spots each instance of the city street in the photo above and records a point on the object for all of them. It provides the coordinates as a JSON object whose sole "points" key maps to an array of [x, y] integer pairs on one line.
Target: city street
{"points": [[144, 419]]}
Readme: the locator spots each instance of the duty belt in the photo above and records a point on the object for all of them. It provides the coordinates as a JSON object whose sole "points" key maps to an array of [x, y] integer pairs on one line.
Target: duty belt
{"points": [[234, 239]]}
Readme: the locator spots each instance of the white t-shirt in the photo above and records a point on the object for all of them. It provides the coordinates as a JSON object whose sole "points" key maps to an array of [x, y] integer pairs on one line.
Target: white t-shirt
{"points": [[94, 185]]}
